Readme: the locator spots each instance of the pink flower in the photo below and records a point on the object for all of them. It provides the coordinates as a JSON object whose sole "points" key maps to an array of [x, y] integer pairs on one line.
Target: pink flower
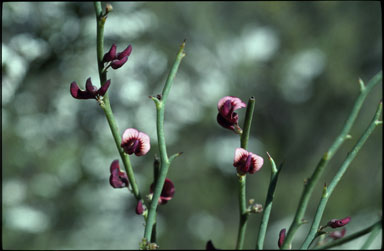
{"points": [[135, 142], [338, 234], [334, 223], [281, 237], [119, 59], [227, 118], [90, 91], [247, 162], [167, 192], [118, 179]]}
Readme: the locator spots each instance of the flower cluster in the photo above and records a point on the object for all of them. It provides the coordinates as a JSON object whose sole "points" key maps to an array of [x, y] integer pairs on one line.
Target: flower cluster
{"points": [[227, 117], [90, 91], [247, 162]]}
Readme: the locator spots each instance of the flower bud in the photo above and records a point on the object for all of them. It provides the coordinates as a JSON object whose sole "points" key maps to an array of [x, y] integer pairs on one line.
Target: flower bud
{"points": [[281, 237], [335, 223]]}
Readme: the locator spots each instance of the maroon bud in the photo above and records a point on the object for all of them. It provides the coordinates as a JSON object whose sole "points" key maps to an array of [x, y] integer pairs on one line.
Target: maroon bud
{"points": [[104, 88], [334, 223], [281, 237], [139, 208], [210, 246], [110, 55], [125, 53]]}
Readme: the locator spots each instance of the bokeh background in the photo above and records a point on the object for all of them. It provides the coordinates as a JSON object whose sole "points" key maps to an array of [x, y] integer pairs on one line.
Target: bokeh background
{"points": [[300, 60]]}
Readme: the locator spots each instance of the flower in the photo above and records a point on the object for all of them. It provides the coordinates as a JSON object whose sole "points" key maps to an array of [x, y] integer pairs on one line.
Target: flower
{"points": [[334, 223], [139, 208], [338, 234], [247, 162], [119, 59], [167, 192], [118, 179], [135, 142], [90, 91], [281, 237], [227, 118]]}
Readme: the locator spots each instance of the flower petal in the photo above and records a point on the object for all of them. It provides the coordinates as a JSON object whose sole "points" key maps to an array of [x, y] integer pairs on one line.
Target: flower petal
{"points": [[116, 64], [257, 163], [225, 123], [77, 93], [235, 102], [145, 144], [239, 154], [104, 88], [90, 87], [128, 134], [125, 53], [110, 55], [117, 179]]}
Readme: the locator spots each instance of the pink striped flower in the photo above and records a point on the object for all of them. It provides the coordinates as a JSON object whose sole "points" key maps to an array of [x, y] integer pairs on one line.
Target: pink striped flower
{"points": [[335, 223], [90, 91], [118, 179], [167, 192], [135, 142], [227, 116], [247, 162], [117, 59]]}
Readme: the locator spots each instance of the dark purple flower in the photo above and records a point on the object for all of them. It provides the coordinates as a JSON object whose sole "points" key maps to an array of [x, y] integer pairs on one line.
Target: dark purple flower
{"points": [[90, 91], [247, 162], [227, 116], [139, 208], [338, 234], [117, 59], [335, 223], [167, 192], [135, 142], [281, 237], [118, 179]]}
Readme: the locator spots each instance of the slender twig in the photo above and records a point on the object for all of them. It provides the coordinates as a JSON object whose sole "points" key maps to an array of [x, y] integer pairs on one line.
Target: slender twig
{"points": [[242, 179], [351, 155], [164, 161], [350, 237], [375, 231], [268, 203], [105, 104], [311, 182]]}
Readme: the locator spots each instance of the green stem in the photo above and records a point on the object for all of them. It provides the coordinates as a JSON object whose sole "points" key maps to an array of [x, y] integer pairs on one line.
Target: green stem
{"points": [[164, 161], [268, 204], [351, 155], [375, 231], [350, 237], [105, 104], [242, 179], [308, 189]]}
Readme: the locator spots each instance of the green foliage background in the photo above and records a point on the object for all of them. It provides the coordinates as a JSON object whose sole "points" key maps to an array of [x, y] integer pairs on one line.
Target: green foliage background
{"points": [[301, 61]]}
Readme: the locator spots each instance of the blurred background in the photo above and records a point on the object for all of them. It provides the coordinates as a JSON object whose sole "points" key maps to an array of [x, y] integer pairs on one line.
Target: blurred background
{"points": [[300, 60]]}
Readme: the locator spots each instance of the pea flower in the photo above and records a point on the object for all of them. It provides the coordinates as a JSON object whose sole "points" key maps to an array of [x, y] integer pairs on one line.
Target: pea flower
{"points": [[135, 142], [167, 192], [227, 118], [338, 234], [119, 59], [281, 237], [334, 223], [90, 91], [247, 162], [118, 179]]}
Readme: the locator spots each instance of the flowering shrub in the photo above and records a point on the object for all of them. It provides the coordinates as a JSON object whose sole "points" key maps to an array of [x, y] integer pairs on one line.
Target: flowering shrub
{"points": [[162, 189]]}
